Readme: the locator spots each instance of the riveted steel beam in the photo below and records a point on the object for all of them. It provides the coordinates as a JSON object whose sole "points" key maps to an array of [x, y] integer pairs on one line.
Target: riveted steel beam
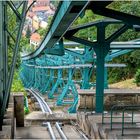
{"points": [[1, 54], [99, 7]]}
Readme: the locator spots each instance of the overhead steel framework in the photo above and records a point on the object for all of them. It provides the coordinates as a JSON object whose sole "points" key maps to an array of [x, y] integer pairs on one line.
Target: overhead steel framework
{"points": [[52, 74], [101, 46], [53, 44]]}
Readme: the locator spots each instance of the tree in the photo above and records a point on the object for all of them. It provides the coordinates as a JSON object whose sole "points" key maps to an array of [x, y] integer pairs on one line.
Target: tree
{"points": [[131, 59]]}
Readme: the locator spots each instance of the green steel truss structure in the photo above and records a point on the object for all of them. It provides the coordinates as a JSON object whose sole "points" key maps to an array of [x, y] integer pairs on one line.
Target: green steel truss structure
{"points": [[15, 12], [38, 63]]}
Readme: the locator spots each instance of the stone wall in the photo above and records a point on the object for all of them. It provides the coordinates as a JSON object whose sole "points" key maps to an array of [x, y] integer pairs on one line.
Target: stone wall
{"points": [[87, 102]]}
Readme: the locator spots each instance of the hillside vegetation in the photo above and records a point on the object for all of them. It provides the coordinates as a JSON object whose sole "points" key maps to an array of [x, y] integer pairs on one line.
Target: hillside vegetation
{"points": [[132, 59]]}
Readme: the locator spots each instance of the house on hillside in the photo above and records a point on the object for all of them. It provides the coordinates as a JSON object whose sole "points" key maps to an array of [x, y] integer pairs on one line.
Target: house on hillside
{"points": [[35, 39]]}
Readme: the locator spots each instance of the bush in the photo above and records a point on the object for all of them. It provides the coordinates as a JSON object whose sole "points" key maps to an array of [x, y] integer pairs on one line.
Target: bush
{"points": [[26, 107], [137, 77], [26, 110], [17, 85]]}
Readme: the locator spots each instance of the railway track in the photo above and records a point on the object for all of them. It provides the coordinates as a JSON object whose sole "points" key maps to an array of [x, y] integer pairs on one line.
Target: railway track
{"points": [[45, 108], [55, 131]]}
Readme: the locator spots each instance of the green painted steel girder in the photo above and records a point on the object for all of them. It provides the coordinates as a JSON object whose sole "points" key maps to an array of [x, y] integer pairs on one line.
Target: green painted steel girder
{"points": [[73, 30], [70, 33], [7, 79], [99, 7], [66, 14], [1, 53]]}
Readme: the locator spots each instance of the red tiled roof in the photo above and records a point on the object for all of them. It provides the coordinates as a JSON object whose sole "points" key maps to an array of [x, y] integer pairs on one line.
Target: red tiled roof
{"points": [[40, 8], [35, 37]]}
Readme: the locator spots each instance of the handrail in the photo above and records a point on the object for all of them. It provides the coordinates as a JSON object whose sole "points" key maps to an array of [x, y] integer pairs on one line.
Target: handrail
{"points": [[129, 108], [122, 109]]}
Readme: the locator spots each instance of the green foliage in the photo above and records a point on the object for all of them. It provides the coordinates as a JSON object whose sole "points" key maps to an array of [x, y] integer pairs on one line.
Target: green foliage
{"points": [[89, 16], [130, 59], [26, 107], [12, 25], [131, 7], [112, 28], [55, 3], [42, 32], [132, 64], [115, 74], [17, 84], [23, 41], [26, 48], [26, 110], [88, 33], [137, 77]]}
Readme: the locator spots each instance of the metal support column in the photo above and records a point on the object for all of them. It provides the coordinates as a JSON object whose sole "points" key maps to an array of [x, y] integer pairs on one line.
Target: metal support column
{"points": [[85, 78], [105, 78], [5, 48], [1, 54], [101, 51], [58, 83]]}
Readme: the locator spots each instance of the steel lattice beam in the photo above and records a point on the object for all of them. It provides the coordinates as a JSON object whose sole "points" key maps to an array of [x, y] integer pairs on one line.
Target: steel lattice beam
{"points": [[6, 76]]}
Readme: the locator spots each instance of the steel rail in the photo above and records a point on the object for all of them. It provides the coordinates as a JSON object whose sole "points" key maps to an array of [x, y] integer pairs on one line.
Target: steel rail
{"points": [[49, 110], [40, 103], [60, 131], [45, 108], [51, 131]]}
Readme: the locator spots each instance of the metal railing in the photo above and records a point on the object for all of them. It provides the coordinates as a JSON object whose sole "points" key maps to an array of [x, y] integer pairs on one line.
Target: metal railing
{"points": [[122, 110]]}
